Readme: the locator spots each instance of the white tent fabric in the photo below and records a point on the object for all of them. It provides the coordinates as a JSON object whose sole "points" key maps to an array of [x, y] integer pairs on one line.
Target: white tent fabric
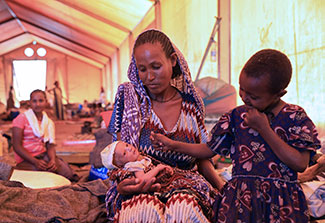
{"points": [[101, 34]]}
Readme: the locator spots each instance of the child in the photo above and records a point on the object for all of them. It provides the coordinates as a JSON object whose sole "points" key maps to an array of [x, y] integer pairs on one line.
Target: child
{"points": [[268, 140], [126, 161]]}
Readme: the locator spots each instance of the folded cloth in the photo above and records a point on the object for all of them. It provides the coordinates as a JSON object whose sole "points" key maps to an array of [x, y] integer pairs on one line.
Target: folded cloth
{"points": [[5, 171], [315, 195], [136, 166], [45, 130]]}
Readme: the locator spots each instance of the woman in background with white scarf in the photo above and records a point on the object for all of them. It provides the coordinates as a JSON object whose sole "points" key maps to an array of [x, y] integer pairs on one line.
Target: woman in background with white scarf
{"points": [[34, 139]]}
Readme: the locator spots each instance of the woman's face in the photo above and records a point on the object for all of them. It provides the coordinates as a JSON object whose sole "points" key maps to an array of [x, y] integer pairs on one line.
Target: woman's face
{"points": [[38, 102], [254, 92], [155, 69]]}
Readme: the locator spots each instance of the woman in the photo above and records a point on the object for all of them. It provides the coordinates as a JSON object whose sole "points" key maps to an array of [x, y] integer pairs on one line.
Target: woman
{"points": [[33, 139], [58, 105], [160, 97], [11, 99], [102, 98]]}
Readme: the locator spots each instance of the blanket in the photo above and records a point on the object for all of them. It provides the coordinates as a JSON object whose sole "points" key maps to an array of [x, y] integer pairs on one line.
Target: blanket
{"points": [[82, 202]]}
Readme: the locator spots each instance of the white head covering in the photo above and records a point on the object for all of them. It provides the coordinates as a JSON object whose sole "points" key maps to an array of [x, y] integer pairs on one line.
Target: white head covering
{"points": [[45, 130], [107, 155]]}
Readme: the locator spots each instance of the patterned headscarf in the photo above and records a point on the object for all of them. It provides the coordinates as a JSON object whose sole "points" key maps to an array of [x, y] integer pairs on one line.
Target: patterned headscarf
{"points": [[137, 103]]}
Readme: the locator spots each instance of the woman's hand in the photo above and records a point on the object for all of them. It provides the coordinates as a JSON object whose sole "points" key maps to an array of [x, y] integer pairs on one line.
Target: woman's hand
{"points": [[40, 164], [134, 186], [51, 165], [160, 141]]}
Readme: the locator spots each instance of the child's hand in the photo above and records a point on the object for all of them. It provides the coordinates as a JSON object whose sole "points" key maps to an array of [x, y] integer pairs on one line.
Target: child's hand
{"points": [[160, 141], [255, 119]]}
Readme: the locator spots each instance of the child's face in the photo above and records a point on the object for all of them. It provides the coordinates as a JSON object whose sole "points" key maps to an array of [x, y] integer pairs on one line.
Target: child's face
{"points": [[254, 92], [125, 153]]}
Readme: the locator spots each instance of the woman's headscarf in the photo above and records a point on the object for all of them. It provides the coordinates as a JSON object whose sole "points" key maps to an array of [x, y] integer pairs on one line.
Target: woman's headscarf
{"points": [[137, 103]]}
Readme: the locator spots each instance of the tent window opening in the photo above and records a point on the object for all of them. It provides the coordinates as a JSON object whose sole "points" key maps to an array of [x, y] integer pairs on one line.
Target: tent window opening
{"points": [[28, 75]]}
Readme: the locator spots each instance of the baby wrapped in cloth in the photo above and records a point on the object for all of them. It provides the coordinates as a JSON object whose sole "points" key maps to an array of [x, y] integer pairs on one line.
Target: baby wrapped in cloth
{"points": [[172, 182]]}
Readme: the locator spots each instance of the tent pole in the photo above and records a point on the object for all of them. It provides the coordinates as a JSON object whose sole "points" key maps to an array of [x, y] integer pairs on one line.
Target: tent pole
{"points": [[211, 40]]}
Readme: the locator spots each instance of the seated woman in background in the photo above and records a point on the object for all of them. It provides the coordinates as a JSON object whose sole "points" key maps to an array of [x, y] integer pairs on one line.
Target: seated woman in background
{"points": [[34, 138]]}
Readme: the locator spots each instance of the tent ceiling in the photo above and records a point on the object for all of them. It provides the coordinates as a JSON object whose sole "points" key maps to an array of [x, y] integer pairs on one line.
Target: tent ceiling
{"points": [[92, 29]]}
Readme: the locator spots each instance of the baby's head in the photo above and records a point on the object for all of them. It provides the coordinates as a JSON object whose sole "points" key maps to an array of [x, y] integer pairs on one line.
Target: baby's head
{"points": [[117, 154], [264, 78]]}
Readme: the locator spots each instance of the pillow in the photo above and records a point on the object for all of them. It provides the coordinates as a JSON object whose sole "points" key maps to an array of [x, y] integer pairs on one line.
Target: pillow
{"points": [[39, 179]]}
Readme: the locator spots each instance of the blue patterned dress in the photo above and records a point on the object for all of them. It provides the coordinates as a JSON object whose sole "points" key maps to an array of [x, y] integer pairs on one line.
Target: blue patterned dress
{"points": [[189, 128], [262, 188]]}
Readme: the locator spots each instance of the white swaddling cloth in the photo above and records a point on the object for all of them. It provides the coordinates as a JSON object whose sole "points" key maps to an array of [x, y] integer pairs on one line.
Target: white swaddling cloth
{"points": [[136, 166], [45, 130]]}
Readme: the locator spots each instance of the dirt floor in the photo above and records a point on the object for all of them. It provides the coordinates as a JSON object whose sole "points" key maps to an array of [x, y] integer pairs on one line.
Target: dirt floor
{"points": [[72, 145]]}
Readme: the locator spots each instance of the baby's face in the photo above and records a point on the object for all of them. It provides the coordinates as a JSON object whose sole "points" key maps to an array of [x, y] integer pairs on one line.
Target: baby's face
{"points": [[125, 153]]}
